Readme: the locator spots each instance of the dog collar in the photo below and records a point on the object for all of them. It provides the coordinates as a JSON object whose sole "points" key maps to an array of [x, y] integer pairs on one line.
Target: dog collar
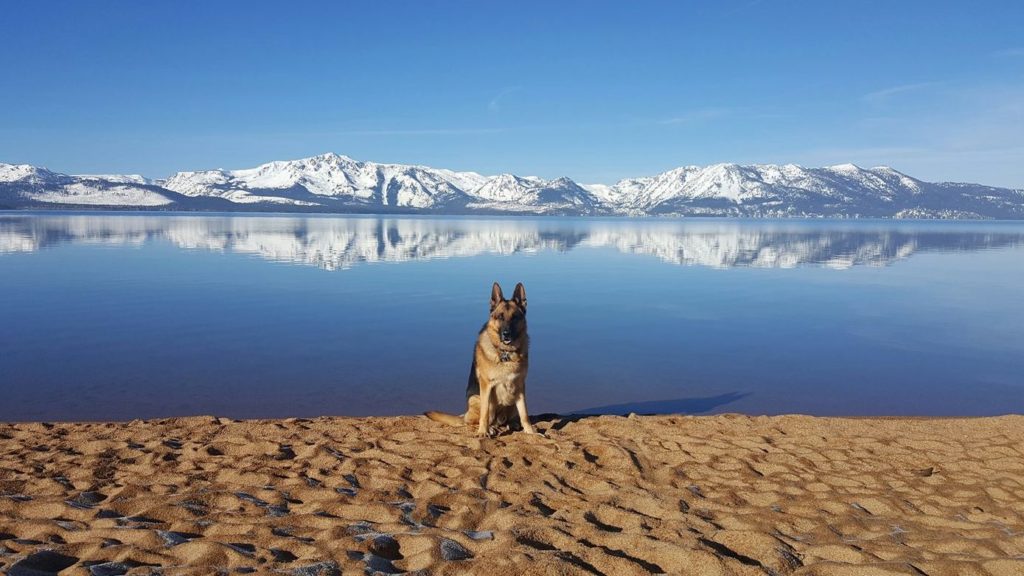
{"points": [[508, 356]]}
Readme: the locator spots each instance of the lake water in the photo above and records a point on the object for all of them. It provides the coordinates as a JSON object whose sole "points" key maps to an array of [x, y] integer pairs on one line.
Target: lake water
{"points": [[120, 316]]}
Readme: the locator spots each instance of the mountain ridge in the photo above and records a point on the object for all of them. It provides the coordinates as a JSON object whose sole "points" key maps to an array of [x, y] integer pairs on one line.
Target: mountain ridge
{"points": [[335, 183]]}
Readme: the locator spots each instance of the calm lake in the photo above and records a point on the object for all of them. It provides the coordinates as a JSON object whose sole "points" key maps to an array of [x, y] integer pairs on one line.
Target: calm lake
{"points": [[120, 316]]}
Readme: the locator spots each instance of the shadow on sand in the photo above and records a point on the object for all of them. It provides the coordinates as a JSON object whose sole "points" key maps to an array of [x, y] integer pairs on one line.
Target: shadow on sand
{"points": [[653, 407]]}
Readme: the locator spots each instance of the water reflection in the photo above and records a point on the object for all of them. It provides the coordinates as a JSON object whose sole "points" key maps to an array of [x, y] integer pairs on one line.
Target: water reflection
{"points": [[337, 243]]}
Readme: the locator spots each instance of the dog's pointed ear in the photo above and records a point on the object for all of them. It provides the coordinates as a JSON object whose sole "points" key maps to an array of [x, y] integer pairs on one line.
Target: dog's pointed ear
{"points": [[496, 296], [519, 296]]}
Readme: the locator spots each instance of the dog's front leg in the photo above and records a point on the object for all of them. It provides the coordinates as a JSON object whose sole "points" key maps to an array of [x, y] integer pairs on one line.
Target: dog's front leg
{"points": [[483, 428], [523, 418]]}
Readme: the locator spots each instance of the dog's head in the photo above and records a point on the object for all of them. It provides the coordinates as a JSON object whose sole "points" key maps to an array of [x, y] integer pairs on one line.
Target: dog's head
{"points": [[507, 323]]}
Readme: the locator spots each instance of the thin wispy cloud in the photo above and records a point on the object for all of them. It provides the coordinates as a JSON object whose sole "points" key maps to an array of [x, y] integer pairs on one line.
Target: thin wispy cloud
{"points": [[978, 140], [1016, 52], [886, 94], [421, 132], [495, 103], [691, 117], [865, 155], [695, 116]]}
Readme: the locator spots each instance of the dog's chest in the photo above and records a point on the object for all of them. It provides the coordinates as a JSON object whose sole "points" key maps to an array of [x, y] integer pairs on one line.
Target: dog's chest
{"points": [[506, 384]]}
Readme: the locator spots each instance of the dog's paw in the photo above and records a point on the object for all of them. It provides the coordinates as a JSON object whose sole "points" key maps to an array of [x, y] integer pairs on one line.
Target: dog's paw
{"points": [[484, 434]]}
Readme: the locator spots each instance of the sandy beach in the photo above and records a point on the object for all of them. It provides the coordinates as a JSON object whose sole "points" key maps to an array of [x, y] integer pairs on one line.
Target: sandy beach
{"points": [[600, 495]]}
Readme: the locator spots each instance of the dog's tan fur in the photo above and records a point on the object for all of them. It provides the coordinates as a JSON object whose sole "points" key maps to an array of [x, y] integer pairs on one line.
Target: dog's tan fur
{"points": [[496, 393]]}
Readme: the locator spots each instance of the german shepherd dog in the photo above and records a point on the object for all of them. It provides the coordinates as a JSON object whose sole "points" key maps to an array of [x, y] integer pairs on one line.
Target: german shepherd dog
{"points": [[496, 392]]}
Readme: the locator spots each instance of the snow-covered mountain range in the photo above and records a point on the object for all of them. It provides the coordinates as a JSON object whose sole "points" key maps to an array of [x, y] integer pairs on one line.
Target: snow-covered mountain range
{"points": [[340, 243], [334, 183]]}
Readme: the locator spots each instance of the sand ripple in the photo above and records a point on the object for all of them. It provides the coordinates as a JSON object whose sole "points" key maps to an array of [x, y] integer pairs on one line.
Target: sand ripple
{"points": [[601, 495]]}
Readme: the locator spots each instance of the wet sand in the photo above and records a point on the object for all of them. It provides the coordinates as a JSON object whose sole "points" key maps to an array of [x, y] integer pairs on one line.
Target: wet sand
{"points": [[600, 495]]}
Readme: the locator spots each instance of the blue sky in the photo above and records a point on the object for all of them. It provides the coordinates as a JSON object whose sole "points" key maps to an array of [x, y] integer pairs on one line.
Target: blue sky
{"points": [[592, 90]]}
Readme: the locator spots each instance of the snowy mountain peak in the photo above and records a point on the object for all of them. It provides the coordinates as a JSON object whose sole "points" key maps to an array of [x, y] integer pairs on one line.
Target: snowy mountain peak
{"points": [[119, 178], [505, 188], [331, 157], [532, 193], [25, 172]]}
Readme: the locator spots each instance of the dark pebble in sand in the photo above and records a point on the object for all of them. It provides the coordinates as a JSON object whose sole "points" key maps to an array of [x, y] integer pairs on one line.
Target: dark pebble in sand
{"points": [[452, 550], [107, 514], [345, 491], [69, 525], [213, 451], [360, 528], [86, 500], [173, 444], [351, 479], [174, 538], [141, 521], [379, 565], [112, 568], [242, 548], [108, 542], [407, 509], [436, 510], [283, 556], [45, 563], [479, 534], [6, 536], [285, 452], [319, 569], [374, 564], [252, 499], [195, 507], [245, 570], [286, 532], [386, 546]]}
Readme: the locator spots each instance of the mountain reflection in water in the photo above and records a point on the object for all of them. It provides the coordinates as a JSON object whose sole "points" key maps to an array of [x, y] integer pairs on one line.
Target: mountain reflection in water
{"points": [[337, 243]]}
